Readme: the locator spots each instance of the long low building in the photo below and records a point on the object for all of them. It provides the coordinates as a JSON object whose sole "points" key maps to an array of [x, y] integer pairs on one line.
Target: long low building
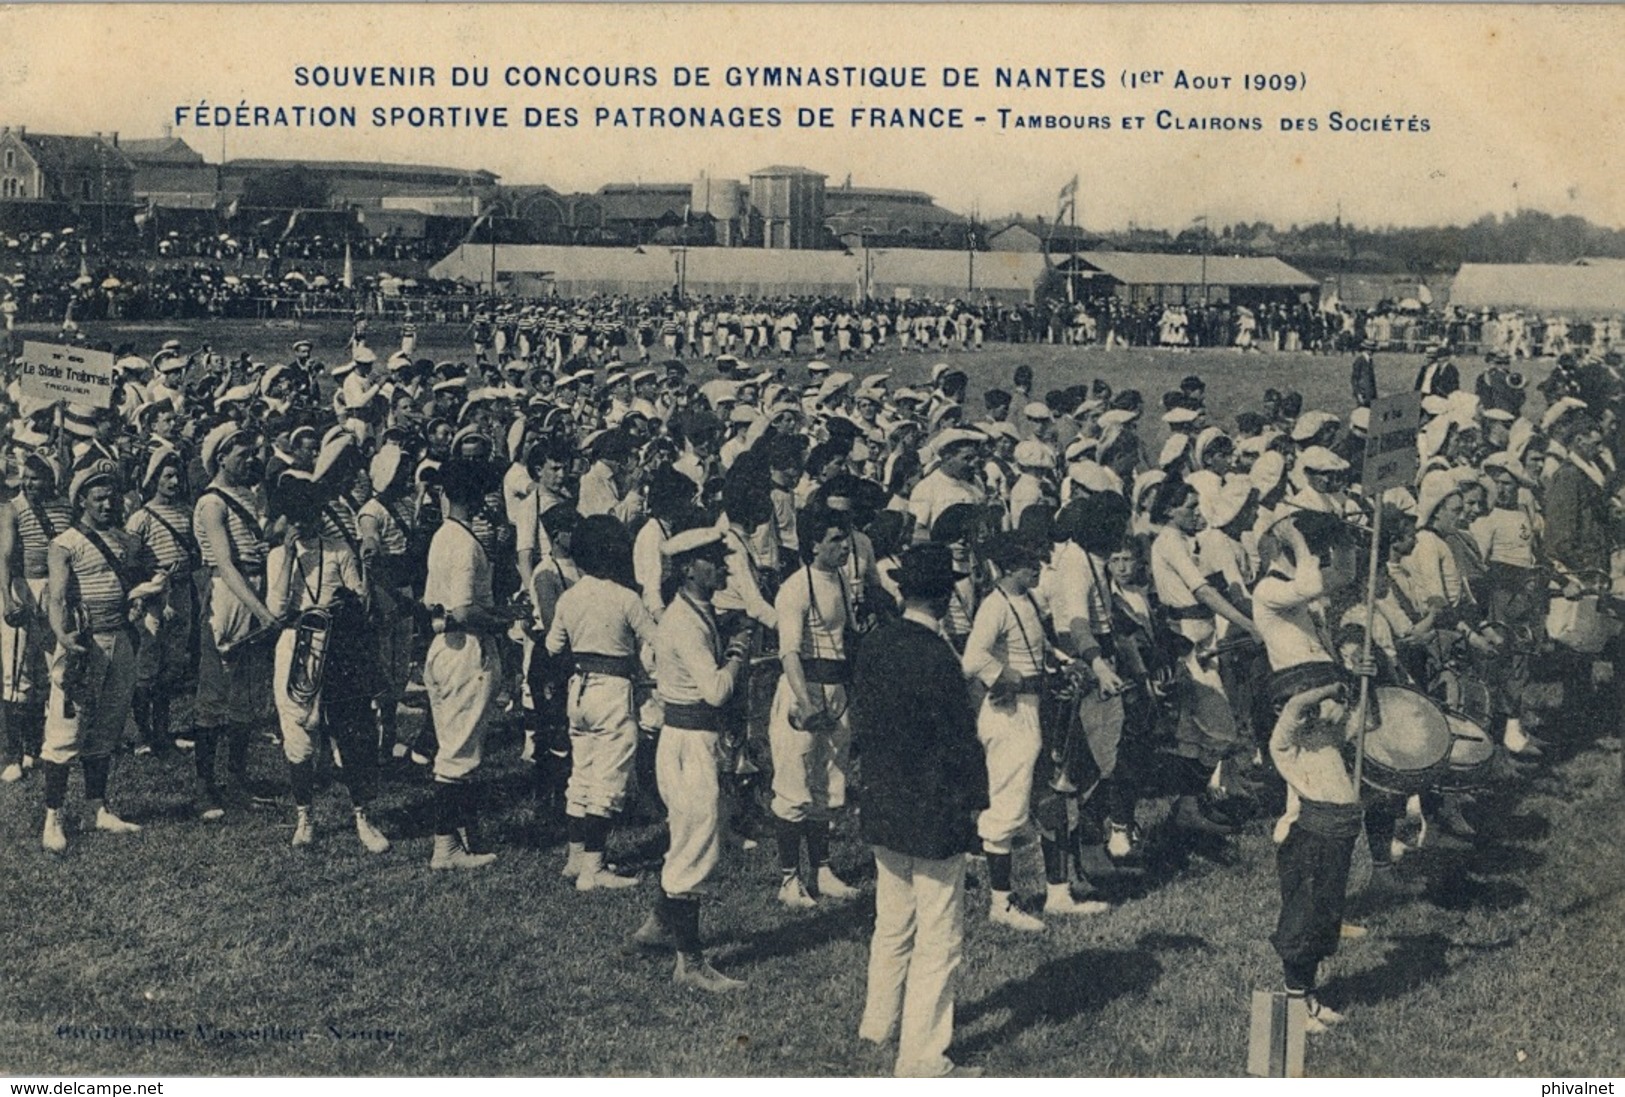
{"points": [[656, 269], [1590, 287], [1161, 278]]}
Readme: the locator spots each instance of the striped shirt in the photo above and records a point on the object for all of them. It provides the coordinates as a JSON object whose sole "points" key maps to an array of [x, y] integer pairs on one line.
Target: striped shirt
{"points": [[340, 523], [391, 530], [94, 584], [148, 525], [248, 547], [37, 526]]}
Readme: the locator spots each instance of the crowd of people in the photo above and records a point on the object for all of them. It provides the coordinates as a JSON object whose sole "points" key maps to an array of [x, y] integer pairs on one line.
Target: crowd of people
{"points": [[973, 618], [208, 275]]}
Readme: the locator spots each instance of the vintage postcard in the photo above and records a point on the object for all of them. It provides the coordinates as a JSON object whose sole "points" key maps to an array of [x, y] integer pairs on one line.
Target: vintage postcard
{"points": [[815, 307]]}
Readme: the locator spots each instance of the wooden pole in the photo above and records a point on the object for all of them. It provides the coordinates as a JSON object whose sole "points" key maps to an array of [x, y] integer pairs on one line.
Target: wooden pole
{"points": [[1362, 709]]}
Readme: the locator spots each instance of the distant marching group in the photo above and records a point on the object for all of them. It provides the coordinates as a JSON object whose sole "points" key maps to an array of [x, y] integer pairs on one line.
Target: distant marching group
{"points": [[967, 622]]}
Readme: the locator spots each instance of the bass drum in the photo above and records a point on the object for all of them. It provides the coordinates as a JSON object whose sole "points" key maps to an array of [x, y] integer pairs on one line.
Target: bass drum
{"points": [[1472, 753], [1408, 751]]}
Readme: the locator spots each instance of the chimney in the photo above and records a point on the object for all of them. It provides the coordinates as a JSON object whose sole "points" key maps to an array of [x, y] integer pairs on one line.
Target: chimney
{"points": [[169, 130], [115, 138]]}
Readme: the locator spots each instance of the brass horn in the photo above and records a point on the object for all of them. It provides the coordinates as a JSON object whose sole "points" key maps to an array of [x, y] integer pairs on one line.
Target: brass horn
{"points": [[305, 672]]}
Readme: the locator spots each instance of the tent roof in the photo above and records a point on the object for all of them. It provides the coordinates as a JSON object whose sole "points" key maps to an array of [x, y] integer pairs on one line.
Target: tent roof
{"points": [[1136, 268], [1544, 287], [935, 273]]}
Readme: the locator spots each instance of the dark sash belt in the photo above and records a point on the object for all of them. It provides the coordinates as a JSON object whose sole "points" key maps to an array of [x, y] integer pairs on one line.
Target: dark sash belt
{"points": [[1330, 820], [1198, 612], [1303, 677], [827, 672], [697, 716], [615, 666]]}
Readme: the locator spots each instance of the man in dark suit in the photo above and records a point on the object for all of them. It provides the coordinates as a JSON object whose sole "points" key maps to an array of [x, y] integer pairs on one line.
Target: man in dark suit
{"points": [[924, 779], [1438, 375], [1363, 375]]}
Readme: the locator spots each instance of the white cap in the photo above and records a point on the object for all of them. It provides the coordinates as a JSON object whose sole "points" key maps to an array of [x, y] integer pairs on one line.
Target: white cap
{"points": [[1321, 459], [690, 540], [1034, 454]]}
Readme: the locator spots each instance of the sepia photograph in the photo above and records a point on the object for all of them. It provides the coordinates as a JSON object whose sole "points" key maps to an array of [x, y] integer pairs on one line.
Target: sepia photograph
{"points": [[827, 540]]}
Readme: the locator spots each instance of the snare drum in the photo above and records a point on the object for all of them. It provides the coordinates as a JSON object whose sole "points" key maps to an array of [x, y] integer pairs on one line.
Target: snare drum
{"points": [[1408, 751], [1472, 752]]}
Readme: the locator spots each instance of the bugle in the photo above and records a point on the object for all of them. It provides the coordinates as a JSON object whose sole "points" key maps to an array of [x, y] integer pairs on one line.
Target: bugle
{"points": [[312, 630]]}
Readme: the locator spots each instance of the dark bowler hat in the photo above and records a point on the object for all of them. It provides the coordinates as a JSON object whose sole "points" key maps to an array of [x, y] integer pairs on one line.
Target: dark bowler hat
{"points": [[926, 571]]}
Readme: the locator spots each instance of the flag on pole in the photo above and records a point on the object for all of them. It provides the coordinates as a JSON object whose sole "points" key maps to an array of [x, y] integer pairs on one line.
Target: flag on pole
{"points": [[349, 268], [1067, 200]]}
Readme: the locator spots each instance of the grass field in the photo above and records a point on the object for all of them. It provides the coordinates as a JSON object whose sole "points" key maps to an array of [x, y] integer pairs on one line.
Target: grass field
{"points": [[1506, 966]]}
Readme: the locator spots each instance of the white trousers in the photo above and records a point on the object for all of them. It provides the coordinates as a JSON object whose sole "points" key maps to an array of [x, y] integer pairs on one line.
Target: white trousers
{"points": [[686, 765], [1011, 738], [917, 946], [461, 675], [22, 652], [603, 743], [100, 699], [809, 767], [235, 691]]}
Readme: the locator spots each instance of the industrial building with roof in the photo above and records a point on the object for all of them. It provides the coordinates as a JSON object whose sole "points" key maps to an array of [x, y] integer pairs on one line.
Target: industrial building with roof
{"points": [[48, 167]]}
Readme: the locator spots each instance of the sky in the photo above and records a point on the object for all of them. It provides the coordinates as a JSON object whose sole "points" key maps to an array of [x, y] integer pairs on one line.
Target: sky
{"points": [[1521, 104]]}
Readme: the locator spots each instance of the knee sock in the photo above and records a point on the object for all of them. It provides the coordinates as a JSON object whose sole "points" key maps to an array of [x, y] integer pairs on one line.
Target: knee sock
{"points": [[789, 841], [160, 721], [594, 834], [97, 771], [575, 830], [33, 729], [205, 741], [56, 785], [1054, 850], [237, 751], [468, 807], [358, 755], [14, 731], [817, 844], [1299, 975], [685, 924], [302, 777], [141, 710], [1379, 833], [1118, 800], [446, 808], [998, 871]]}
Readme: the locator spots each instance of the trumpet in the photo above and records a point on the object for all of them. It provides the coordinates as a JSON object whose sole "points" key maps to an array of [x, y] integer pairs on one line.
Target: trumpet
{"points": [[1219, 650], [312, 630]]}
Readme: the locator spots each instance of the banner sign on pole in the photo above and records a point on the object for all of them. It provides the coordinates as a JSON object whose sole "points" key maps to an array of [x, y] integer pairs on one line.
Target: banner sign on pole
{"points": [[1391, 459], [51, 372]]}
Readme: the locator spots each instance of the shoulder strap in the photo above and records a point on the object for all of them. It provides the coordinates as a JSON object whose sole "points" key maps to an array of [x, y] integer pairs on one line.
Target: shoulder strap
{"points": [[344, 530], [187, 544], [43, 517], [237, 508], [117, 566]]}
